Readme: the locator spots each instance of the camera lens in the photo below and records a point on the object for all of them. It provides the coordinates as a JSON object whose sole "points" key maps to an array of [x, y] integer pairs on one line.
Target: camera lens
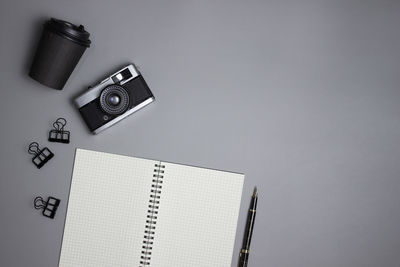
{"points": [[114, 100]]}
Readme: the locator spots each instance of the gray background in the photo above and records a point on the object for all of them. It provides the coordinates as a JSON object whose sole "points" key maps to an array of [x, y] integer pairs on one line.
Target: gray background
{"points": [[301, 96]]}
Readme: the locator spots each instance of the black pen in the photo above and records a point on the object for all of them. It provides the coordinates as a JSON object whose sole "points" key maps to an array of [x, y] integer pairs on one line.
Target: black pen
{"points": [[251, 216]]}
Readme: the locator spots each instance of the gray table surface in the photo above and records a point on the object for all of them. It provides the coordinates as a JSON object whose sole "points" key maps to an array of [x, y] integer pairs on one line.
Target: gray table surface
{"points": [[301, 96]]}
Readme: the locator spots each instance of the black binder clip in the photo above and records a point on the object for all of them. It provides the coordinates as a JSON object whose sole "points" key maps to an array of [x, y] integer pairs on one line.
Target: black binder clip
{"points": [[41, 156], [49, 207], [58, 134]]}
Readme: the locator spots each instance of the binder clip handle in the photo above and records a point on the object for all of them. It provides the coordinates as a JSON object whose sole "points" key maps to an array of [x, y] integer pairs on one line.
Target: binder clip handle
{"points": [[59, 124], [39, 203], [33, 148]]}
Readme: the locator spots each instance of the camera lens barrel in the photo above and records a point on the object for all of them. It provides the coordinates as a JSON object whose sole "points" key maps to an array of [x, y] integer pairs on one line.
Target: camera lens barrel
{"points": [[114, 100], [60, 49]]}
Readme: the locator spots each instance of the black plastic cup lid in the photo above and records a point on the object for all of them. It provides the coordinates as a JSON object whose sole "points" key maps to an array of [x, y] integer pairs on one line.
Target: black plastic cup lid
{"points": [[69, 31]]}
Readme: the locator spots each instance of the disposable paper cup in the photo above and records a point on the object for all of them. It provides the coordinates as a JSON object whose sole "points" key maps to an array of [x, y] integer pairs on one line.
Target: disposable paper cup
{"points": [[60, 48]]}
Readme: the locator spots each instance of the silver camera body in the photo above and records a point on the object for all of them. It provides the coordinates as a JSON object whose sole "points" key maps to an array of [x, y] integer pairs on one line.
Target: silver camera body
{"points": [[114, 98]]}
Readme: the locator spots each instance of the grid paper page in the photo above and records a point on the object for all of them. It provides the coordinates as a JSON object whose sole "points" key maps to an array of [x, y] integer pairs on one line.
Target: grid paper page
{"points": [[197, 218], [107, 210]]}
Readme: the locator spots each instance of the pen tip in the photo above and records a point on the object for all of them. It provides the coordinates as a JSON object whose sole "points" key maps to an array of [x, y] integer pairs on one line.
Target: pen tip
{"points": [[255, 192]]}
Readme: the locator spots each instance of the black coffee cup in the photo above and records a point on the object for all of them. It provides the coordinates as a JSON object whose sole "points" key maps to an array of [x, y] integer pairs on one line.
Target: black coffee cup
{"points": [[60, 48]]}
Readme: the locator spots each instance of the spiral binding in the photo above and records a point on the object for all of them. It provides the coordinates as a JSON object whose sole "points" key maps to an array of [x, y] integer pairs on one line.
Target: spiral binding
{"points": [[152, 213]]}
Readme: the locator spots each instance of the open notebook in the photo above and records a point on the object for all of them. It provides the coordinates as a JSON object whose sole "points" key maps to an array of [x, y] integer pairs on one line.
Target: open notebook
{"points": [[127, 211]]}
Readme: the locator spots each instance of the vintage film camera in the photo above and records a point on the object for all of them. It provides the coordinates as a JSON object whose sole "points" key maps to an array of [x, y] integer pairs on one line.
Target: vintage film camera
{"points": [[114, 98]]}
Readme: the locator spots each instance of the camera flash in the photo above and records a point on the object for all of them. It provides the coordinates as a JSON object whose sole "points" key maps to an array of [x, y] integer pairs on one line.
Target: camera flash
{"points": [[119, 76]]}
